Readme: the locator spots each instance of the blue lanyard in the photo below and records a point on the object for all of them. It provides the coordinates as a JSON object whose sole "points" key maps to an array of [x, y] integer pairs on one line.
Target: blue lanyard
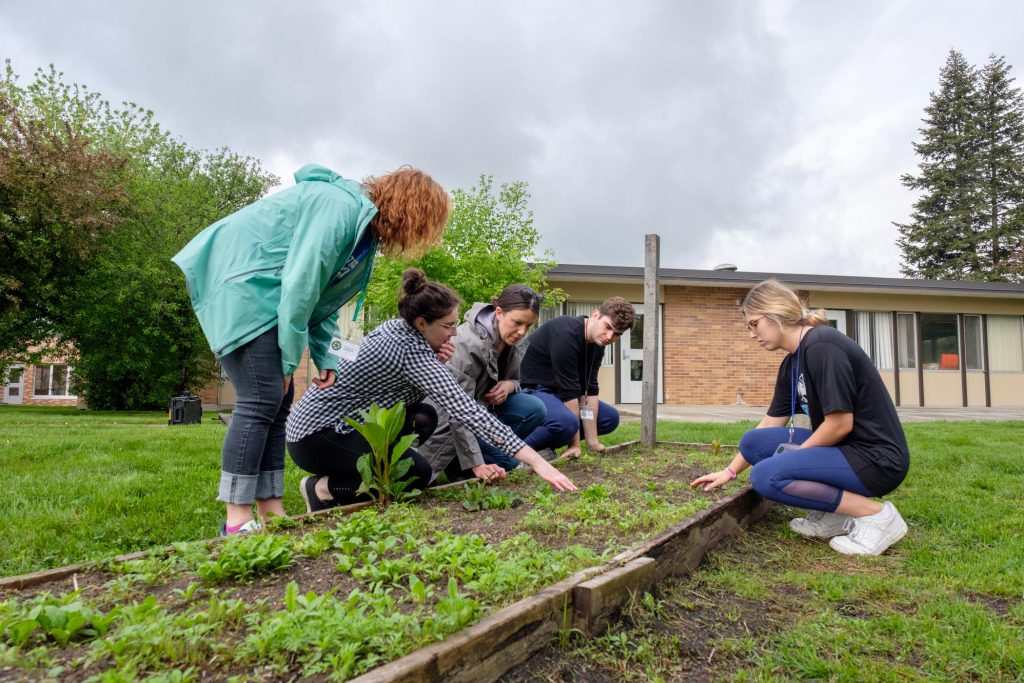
{"points": [[794, 382]]}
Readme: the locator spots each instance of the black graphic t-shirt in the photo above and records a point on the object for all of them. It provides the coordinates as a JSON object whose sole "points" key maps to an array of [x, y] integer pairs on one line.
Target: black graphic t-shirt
{"points": [[835, 375]]}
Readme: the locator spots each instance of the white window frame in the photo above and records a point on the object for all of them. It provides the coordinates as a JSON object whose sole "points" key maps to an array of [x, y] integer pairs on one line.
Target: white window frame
{"points": [[69, 371]]}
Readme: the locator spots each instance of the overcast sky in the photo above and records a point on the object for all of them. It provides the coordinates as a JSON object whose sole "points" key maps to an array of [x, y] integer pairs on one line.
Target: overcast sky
{"points": [[771, 135]]}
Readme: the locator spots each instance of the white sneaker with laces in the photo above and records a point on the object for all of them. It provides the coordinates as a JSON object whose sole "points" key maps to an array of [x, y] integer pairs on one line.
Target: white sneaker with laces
{"points": [[818, 524], [870, 536]]}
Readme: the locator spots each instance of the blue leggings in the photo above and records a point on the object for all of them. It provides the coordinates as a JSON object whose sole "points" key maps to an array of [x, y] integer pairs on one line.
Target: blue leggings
{"points": [[812, 478]]}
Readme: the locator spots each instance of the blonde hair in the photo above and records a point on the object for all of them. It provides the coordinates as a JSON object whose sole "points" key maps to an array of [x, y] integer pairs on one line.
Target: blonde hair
{"points": [[412, 211], [776, 301]]}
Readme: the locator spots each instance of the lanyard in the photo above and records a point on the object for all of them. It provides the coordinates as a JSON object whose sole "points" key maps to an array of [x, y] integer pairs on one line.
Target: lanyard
{"points": [[585, 374], [794, 383]]}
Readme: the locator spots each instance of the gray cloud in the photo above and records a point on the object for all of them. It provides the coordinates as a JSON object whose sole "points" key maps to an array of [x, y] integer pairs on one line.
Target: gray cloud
{"points": [[771, 135]]}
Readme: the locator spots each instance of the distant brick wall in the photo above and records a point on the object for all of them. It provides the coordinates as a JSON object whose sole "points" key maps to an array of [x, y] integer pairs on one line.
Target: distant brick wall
{"points": [[709, 356], [29, 398]]}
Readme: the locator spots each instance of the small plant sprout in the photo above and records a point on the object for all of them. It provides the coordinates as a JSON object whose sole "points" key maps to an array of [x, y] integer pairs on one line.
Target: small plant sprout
{"points": [[382, 469], [479, 496]]}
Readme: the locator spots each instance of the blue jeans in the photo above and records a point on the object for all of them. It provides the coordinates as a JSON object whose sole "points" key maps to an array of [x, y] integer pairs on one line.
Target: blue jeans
{"points": [[811, 478], [252, 457], [522, 413], [560, 425]]}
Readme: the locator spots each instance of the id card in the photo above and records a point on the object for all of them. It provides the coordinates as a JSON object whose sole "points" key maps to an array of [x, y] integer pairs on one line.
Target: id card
{"points": [[586, 414], [786, 446], [343, 349]]}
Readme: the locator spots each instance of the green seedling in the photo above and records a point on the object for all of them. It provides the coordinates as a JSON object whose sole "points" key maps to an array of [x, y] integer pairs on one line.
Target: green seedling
{"points": [[383, 468], [479, 496], [243, 557]]}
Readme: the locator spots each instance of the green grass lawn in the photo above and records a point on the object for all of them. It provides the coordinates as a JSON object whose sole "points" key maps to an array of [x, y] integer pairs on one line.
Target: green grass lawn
{"points": [[83, 485], [944, 603]]}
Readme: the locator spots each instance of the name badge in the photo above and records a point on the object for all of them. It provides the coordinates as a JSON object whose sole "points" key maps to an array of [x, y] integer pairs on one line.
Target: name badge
{"points": [[786, 446], [586, 414], [343, 349]]}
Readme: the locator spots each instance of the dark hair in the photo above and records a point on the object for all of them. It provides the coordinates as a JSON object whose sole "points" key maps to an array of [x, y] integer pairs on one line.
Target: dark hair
{"points": [[620, 311], [518, 297], [422, 298]]}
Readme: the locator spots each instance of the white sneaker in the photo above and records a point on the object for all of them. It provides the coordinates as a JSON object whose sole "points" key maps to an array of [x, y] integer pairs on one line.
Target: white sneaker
{"points": [[868, 536], [818, 524]]}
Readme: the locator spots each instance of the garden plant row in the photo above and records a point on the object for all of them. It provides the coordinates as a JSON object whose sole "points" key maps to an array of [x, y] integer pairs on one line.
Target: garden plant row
{"points": [[341, 594]]}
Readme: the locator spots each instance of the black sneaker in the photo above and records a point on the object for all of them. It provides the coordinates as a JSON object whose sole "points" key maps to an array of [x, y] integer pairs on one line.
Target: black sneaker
{"points": [[307, 487]]}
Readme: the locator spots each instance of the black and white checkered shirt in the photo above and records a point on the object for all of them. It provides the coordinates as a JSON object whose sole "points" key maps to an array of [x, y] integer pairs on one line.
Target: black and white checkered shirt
{"points": [[395, 363]]}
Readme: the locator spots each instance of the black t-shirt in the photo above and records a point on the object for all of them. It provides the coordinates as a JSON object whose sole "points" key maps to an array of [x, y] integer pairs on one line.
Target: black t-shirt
{"points": [[835, 375], [559, 359]]}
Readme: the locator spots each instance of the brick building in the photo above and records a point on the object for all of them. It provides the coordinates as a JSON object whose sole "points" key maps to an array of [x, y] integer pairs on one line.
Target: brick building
{"points": [[935, 343], [51, 382]]}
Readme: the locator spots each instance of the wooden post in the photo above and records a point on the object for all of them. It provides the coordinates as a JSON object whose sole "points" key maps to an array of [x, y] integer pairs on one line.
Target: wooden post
{"points": [[649, 405]]}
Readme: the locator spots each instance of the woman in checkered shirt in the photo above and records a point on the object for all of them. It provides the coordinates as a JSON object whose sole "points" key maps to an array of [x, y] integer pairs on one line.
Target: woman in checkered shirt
{"points": [[401, 360]]}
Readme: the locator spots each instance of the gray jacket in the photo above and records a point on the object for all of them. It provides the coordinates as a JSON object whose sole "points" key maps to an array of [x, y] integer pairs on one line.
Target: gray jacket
{"points": [[475, 366]]}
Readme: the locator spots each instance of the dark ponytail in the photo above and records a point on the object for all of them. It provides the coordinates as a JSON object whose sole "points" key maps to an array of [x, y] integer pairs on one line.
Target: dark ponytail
{"points": [[422, 298], [517, 298]]}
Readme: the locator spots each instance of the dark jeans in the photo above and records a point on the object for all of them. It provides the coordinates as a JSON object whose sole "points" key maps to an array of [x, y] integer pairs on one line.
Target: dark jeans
{"points": [[522, 413], [811, 478], [329, 454], [252, 457], [560, 425]]}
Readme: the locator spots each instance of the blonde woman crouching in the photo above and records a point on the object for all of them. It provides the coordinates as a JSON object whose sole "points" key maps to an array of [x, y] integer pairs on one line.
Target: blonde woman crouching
{"points": [[856, 451]]}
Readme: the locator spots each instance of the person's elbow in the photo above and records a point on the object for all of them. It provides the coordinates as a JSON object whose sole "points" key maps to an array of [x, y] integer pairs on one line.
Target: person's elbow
{"points": [[841, 424]]}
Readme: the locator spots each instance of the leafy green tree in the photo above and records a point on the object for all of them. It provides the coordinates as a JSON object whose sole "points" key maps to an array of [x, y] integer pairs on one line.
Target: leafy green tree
{"points": [[968, 221], [58, 199], [126, 311], [490, 242]]}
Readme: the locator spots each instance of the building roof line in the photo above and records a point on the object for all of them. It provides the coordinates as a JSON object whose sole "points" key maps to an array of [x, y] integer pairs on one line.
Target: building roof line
{"points": [[725, 278]]}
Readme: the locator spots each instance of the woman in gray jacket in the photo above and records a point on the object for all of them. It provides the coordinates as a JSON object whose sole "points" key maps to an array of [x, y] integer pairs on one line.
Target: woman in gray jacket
{"points": [[486, 364]]}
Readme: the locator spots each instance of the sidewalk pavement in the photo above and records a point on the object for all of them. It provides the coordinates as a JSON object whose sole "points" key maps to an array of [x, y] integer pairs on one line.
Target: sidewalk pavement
{"points": [[739, 413]]}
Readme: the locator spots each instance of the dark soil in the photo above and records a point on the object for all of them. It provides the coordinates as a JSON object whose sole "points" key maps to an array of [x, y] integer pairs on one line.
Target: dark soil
{"points": [[662, 476]]}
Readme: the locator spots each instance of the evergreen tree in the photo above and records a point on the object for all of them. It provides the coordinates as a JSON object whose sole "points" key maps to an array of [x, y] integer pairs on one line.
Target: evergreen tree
{"points": [[968, 222], [1000, 224], [939, 241]]}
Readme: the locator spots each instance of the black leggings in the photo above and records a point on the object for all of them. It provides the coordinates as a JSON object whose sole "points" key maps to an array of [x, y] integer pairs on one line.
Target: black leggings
{"points": [[328, 453]]}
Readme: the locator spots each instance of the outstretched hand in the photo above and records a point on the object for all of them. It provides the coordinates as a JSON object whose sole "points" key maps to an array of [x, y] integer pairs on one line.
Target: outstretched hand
{"points": [[712, 481]]}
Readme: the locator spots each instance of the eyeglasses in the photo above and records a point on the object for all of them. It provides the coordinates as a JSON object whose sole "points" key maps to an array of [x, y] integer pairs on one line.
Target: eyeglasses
{"points": [[451, 327], [752, 324]]}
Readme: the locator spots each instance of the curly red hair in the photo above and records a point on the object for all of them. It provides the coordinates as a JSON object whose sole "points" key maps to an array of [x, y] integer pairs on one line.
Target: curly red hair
{"points": [[412, 211]]}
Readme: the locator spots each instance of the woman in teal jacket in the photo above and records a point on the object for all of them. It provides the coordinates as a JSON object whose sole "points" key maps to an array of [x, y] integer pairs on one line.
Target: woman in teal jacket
{"points": [[268, 280]]}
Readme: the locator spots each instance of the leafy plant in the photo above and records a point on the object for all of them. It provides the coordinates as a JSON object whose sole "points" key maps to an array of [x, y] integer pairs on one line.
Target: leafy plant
{"points": [[243, 557], [382, 470], [479, 496], [61, 619]]}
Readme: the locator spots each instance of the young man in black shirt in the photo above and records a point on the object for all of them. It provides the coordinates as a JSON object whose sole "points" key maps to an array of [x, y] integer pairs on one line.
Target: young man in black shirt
{"points": [[560, 368]]}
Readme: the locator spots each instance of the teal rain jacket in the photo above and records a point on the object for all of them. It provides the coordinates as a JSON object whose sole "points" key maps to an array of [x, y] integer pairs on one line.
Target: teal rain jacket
{"points": [[283, 260]]}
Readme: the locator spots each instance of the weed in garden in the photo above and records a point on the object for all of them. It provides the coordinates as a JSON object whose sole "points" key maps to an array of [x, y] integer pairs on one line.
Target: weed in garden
{"points": [[479, 496], [383, 468], [246, 556]]}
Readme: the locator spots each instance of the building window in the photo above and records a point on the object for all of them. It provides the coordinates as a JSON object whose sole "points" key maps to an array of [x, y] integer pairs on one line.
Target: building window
{"points": [[940, 342], [1005, 343], [54, 381], [906, 338], [873, 331], [974, 355]]}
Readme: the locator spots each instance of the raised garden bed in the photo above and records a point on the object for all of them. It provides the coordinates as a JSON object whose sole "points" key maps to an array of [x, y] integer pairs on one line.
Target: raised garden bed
{"points": [[333, 596]]}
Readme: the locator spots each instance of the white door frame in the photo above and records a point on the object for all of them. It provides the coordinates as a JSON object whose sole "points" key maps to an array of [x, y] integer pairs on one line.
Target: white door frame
{"points": [[19, 386], [630, 390]]}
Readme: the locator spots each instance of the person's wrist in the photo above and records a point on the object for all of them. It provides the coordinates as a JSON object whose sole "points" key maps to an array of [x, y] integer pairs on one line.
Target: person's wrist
{"points": [[731, 473]]}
